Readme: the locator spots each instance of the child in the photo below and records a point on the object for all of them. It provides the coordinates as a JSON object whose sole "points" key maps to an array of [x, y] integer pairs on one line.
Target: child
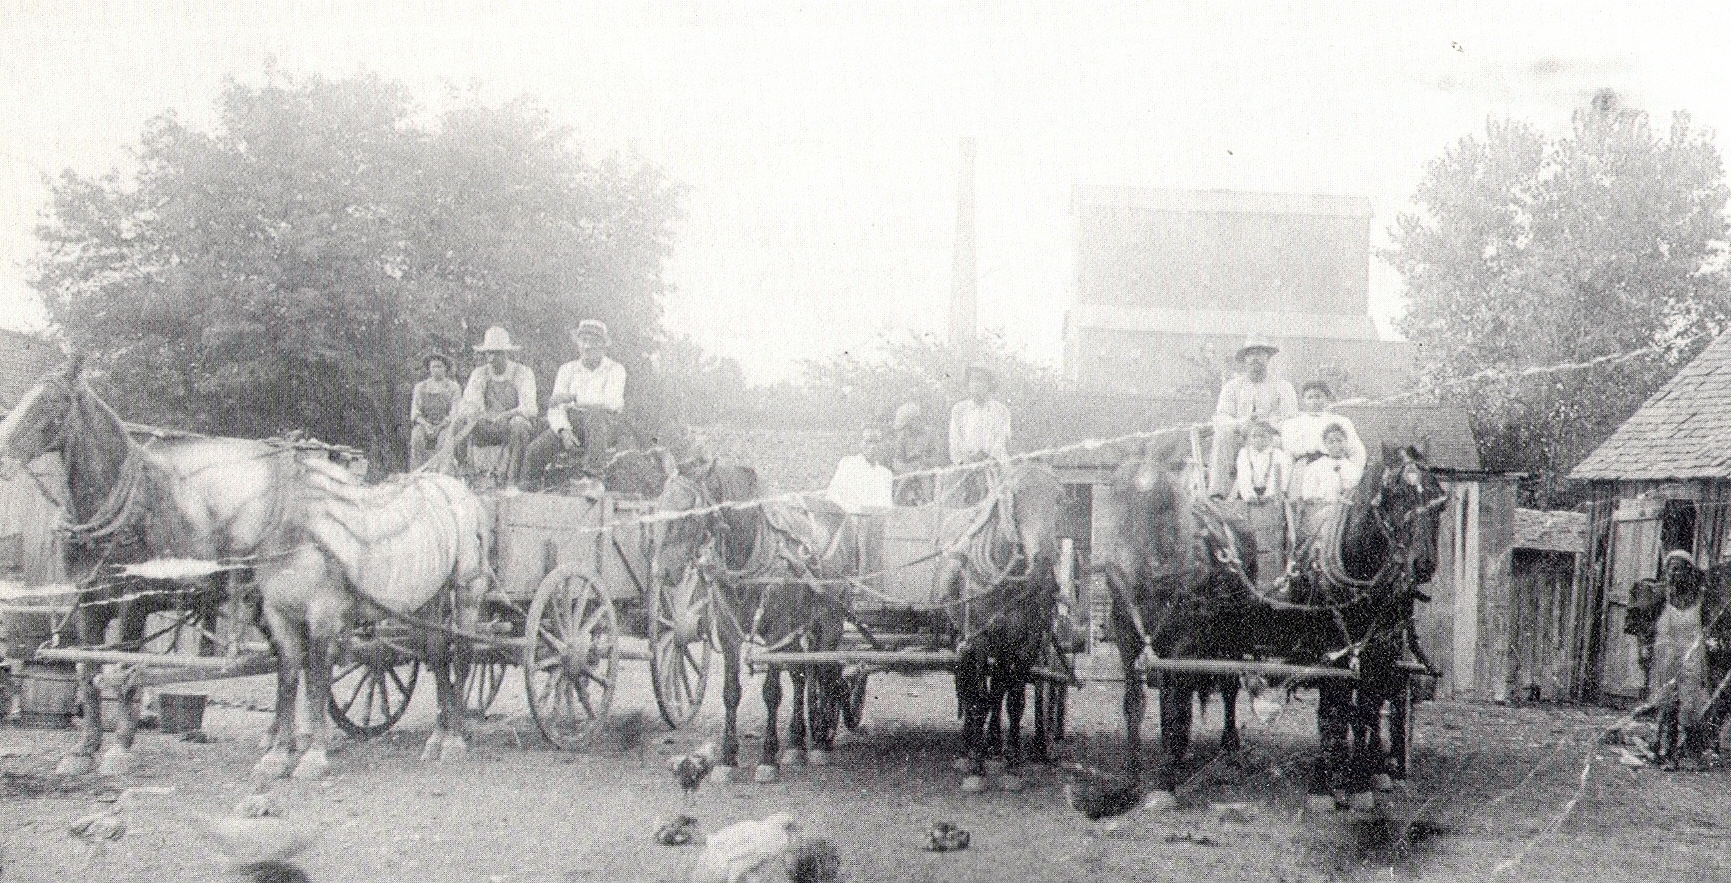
{"points": [[1679, 672], [1263, 469]]}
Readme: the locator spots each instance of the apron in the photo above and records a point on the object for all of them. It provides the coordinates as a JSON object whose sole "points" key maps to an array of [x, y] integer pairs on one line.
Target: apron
{"points": [[1679, 652], [436, 406]]}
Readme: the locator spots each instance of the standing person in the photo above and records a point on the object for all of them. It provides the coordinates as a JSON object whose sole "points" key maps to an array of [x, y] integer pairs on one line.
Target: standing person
{"points": [[1252, 394], [499, 403], [979, 431], [1301, 436], [913, 450], [1679, 665], [430, 407], [583, 412]]}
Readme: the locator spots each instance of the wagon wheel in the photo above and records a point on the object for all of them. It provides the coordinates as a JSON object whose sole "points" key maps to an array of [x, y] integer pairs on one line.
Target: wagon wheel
{"points": [[374, 679], [480, 680], [853, 702], [570, 657], [679, 647]]}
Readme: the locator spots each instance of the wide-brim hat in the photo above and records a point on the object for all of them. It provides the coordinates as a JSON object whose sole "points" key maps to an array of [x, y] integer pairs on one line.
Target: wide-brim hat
{"points": [[594, 329], [497, 340], [1256, 343], [1679, 554], [983, 370]]}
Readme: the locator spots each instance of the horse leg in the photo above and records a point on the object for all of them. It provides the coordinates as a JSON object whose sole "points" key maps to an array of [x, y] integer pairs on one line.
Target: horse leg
{"points": [[1015, 702], [797, 716], [730, 695], [1229, 739], [1135, 709], [828, 691], [1397, 747], [1176, 699], [455, 744], [972, 686], [1333, 713], [315, 763], [767, 771], [291, 658]]}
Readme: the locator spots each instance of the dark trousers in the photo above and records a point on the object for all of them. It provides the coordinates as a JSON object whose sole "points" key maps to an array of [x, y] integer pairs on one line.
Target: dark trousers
{"points": [[594, 430]]}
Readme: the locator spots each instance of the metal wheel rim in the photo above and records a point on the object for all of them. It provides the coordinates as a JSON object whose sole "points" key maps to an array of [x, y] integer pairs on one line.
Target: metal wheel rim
{"points": [[679, 687], [570, 693], [853, 707]]}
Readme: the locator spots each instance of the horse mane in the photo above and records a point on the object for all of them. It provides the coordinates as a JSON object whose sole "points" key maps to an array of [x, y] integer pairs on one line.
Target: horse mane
{"points": [[1154, 509]]}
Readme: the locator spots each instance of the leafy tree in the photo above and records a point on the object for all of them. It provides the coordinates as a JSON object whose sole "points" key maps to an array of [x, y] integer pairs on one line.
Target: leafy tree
{"points": [[290, 268], [1527, 250]]}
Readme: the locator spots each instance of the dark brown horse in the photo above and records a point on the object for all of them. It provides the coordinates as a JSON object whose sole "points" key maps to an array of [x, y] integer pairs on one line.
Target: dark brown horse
{"points": [[763, 572], [1002, 577], [1351, 605], [1182, 572]]}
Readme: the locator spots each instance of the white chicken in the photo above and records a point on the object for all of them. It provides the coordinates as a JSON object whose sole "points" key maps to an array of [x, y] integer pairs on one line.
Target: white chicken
{"points": [[749, 852]]}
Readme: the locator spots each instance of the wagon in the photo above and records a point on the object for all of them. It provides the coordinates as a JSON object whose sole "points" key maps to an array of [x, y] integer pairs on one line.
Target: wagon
{"points": [[898, 618], [572, 583]]}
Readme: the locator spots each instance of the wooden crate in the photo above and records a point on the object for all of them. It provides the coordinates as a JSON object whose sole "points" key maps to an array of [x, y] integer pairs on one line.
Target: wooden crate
{"points": [[911, 536], [534, 533]]}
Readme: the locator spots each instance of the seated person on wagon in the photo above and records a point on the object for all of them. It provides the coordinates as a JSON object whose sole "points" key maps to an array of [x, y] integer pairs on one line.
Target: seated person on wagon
{"points": [[583, 412], [430, 407], [1263, 469], [1254, 394], [979, 432], [862, 486], [498, 405], [913, 450], [1326, 483], [1301, 435]]}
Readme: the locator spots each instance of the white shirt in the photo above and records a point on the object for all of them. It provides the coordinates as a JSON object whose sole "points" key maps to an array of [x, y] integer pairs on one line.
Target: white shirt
{"points": [[979, 429], [1271, 398], [860, 484], [1302, 434], [1268, 470], [1329, 479], [601, 389]]}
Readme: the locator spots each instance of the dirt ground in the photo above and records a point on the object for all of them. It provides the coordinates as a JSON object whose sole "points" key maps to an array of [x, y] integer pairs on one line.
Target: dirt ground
{"points": [[1497, 793]]}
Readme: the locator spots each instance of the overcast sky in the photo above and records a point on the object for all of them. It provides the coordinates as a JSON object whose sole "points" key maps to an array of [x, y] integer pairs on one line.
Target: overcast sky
{"points": [[820, 140]]}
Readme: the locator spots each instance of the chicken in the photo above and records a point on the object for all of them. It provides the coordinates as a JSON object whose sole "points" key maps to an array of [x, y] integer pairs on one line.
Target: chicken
{"points": [[1098, 795], [945, 837], [690, 769], [749, 852], [98, 829], [676, 831], [813, 860], [259, 848]]}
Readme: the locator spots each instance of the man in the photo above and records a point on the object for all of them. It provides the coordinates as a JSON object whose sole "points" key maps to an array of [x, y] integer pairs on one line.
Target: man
{"points": [[499, 403], [1679, 682], [430, 407], [979, 432], [1251, 395], [583, 412], [1301, 436], [862, 481], [913, 449]]}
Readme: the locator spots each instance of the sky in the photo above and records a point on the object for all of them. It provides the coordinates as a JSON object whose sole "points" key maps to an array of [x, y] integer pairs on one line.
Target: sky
{"points": [[820, 141]]}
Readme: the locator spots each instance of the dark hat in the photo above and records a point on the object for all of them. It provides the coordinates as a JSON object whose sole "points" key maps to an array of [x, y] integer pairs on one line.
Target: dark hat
{"points": [[1316, 384], [430, 358], [979, 368]]}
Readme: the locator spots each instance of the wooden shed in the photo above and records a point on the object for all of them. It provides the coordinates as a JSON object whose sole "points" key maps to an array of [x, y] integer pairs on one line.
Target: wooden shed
{"points": [[1662, 481]]}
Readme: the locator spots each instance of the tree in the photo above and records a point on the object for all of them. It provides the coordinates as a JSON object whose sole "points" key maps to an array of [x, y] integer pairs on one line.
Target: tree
{"points": [[1527, 250], [290, 268]]}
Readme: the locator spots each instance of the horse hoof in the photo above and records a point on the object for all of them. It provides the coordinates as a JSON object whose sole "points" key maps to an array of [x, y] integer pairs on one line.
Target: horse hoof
{"points": [[723, 775], [456, 750], [430, 752], [1363, 803], [994, 766], [1384, 782], [1319, 803], [767, 774], [75, 765], [1012, 784], [819, 757], [272, 766], [267, 741], [1160, 801], [965, 765], [313, 765], [793, 757], [116, 762], [975, 784]]}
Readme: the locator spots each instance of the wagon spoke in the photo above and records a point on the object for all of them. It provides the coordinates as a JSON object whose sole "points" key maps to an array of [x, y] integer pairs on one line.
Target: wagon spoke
{"points": [[398, 680], [359, 685]]}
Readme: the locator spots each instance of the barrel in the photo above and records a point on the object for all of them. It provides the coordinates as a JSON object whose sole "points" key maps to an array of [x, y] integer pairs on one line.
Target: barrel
{"points": [[48, 695], [181, 712]]}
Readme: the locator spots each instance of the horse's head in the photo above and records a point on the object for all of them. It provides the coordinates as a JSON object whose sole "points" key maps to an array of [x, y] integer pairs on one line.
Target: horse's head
{"points": [[1153, 503], [1410, 501], [38, 423], [680, 540]]}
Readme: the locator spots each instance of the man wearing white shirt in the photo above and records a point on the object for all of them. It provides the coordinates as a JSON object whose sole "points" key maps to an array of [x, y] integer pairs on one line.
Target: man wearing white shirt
{"points": [[1254, 394], [979, 431], [588, 394], [498, 406], [863, 481]]}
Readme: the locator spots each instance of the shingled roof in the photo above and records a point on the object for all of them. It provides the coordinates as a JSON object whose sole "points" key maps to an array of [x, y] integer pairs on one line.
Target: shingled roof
{"points": [[24, 358], [1683, 431], [1442, 432]]}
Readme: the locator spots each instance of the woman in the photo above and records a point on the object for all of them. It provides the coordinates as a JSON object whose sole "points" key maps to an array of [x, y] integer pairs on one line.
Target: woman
{"points": [[430, 407]]}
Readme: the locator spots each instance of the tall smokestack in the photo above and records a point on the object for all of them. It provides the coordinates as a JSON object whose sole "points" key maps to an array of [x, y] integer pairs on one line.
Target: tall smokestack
{"points": [[963, 284]]}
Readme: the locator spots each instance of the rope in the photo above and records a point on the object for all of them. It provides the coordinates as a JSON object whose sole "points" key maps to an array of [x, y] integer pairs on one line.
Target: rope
{"points": [[118, 506]]}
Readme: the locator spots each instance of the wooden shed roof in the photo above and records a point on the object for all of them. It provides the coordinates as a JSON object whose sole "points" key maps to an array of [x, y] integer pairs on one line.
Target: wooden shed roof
{"points": [[1682, 432], [1559, 531]]}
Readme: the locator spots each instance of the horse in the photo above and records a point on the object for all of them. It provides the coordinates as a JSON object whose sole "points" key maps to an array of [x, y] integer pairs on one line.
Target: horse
{"points": [[767, 564], [242, 505], [1001, 574], [1351, 593], [1181, 572]]}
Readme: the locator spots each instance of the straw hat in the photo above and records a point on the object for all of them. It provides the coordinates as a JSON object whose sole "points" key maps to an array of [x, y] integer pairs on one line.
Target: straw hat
{"points": [[1680, 554], [594, 329], [1255, 343], [497, 340]]}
